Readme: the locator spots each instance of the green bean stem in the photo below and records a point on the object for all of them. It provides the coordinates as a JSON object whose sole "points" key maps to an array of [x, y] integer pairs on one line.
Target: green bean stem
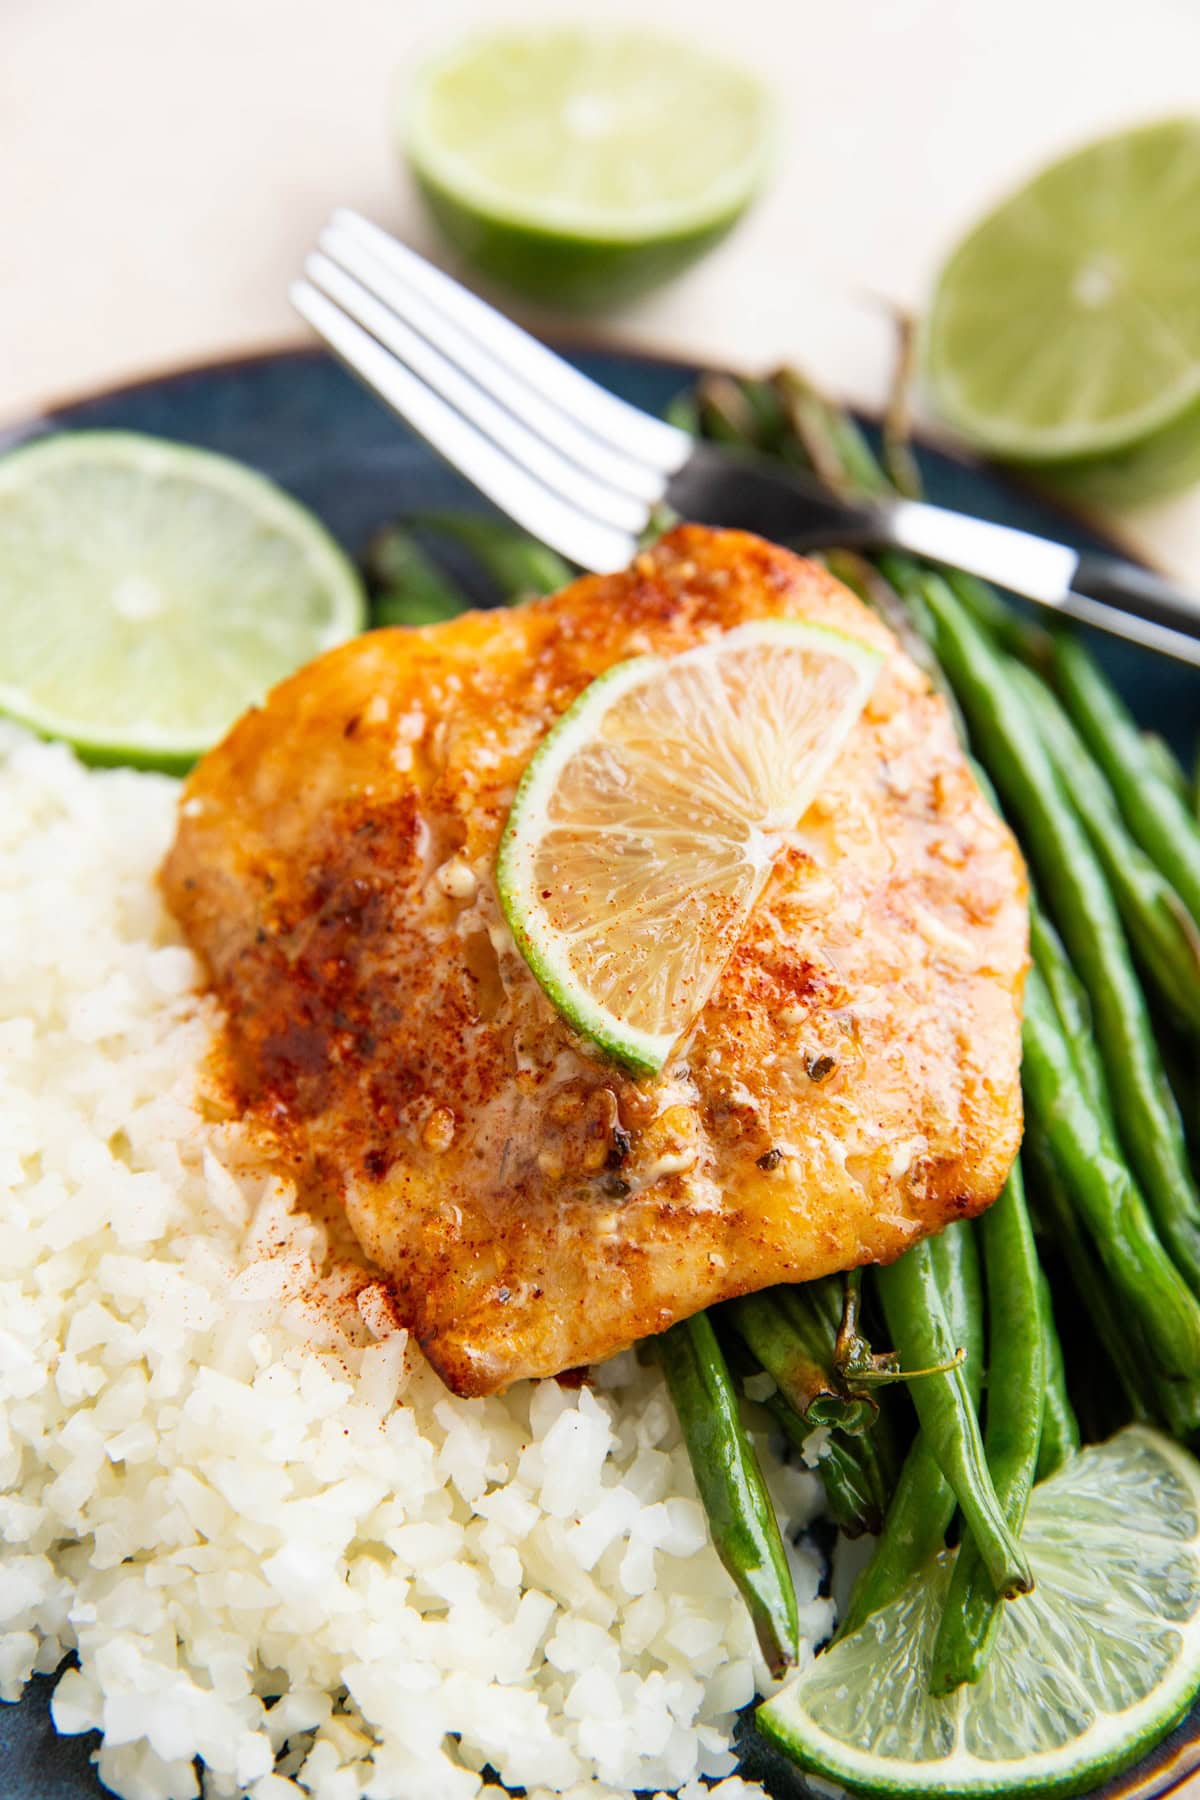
{"points": [[792, 1337], [917, 1320], [855, 1483], [1154, 812], [1060, 1427], [923, 1503], [1056, 842], [1012, 1434], [745, 1531]]}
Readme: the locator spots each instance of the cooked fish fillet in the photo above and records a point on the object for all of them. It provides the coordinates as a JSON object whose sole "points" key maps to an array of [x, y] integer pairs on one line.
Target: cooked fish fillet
{"points": [[851, 1085]]}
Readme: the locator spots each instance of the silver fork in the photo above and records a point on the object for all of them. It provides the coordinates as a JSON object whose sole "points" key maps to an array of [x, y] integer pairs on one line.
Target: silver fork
{"points": [[583, 470]]}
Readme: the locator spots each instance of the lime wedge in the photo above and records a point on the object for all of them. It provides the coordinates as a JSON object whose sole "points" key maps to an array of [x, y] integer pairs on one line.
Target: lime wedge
{"points": [[647, 823], [150, 592], [583, 164], [1088, 1670], [1065, 324]]}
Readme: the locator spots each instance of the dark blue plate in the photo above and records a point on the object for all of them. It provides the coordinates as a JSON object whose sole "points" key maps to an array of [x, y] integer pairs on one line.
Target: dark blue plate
{"points": [[296, 416]]}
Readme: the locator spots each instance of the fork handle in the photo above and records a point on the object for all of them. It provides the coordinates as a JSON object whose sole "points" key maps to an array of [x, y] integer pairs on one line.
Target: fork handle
{"points": [[1114, 582]]}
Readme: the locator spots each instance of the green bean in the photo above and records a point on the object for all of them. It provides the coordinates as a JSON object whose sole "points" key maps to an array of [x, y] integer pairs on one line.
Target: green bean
{"points": [[1060, 1427], [412, 590], [856, 1493], [1149, 1394], [1160, 927], [1103, 1191], [1167, 765], [1154, 812], [1009, 629], [723, 414], [745, 1531], [1052, 835], [856, 1482], [787, 1334], [683, 411], [920, 1328], [923, 1503], [829, 441], [519, 565], [1071, 1005], [1012, 1433]]}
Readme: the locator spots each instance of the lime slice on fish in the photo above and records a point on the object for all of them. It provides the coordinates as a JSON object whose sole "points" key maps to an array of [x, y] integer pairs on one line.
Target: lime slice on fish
{"points": [[150, 592], [647, 823], [1065, 325], [1088, 1671], [582, 164]]}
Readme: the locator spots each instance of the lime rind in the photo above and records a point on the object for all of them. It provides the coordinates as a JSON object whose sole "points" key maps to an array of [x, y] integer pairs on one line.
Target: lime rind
{"points": [[1116, 1527], [642, 1051], [101, 727], [545, 950], [1022, 285], [463, 180]]}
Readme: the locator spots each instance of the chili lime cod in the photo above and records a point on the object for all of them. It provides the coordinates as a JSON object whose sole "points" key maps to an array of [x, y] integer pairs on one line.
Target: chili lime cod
{"points": [[851, 1085]]}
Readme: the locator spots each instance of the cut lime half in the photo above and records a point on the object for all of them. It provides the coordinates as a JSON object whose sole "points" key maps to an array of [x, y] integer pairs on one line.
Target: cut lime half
{"points": [[584, 163], [1088, 1671], [647, 824], [150, 592], [1065, 325]]}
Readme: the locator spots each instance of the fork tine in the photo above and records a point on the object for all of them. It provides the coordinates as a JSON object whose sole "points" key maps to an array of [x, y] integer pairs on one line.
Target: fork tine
{"points": [[426, 360], [555, 521], [615, 467], [623, 428]]}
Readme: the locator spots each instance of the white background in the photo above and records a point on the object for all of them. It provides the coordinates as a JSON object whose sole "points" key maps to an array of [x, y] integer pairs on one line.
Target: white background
{"points": [[165, 163]]}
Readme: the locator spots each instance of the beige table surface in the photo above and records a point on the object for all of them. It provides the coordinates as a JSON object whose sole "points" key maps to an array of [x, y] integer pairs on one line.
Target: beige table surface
{"points": [[165, 163]]}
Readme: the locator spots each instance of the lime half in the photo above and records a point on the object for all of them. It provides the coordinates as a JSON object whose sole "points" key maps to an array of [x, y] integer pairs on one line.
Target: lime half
{"points": [[584, 164], [1065, 325], [1089, 1670], [647, 823], [150, 592]]}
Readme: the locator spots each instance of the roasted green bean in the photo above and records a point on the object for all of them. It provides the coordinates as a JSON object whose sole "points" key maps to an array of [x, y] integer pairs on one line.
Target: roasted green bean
{"points": [[855, 1483], [1012, 1433], [745, 1531], [1059, 848], [1060, 1427], [1156, 815], [1103, 1191], [1160, 928], [410, 587], [794, 1343], [519, 565], [923, 1503], [920, 1328], [1070, 1001]]}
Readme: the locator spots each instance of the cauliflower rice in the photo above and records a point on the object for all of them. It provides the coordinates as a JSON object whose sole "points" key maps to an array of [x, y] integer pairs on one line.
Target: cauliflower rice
{"points": [[230, 1484]]}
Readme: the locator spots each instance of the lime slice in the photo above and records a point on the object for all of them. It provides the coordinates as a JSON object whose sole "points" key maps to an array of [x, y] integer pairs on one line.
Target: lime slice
{"points": [[149, 593], [1065, 325], [1088, 1670], [647, 823], [584, 164], [1165, 463]]}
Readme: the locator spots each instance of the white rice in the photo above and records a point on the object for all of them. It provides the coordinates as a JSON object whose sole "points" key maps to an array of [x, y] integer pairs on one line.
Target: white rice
{"points": [[271, 1537]]}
